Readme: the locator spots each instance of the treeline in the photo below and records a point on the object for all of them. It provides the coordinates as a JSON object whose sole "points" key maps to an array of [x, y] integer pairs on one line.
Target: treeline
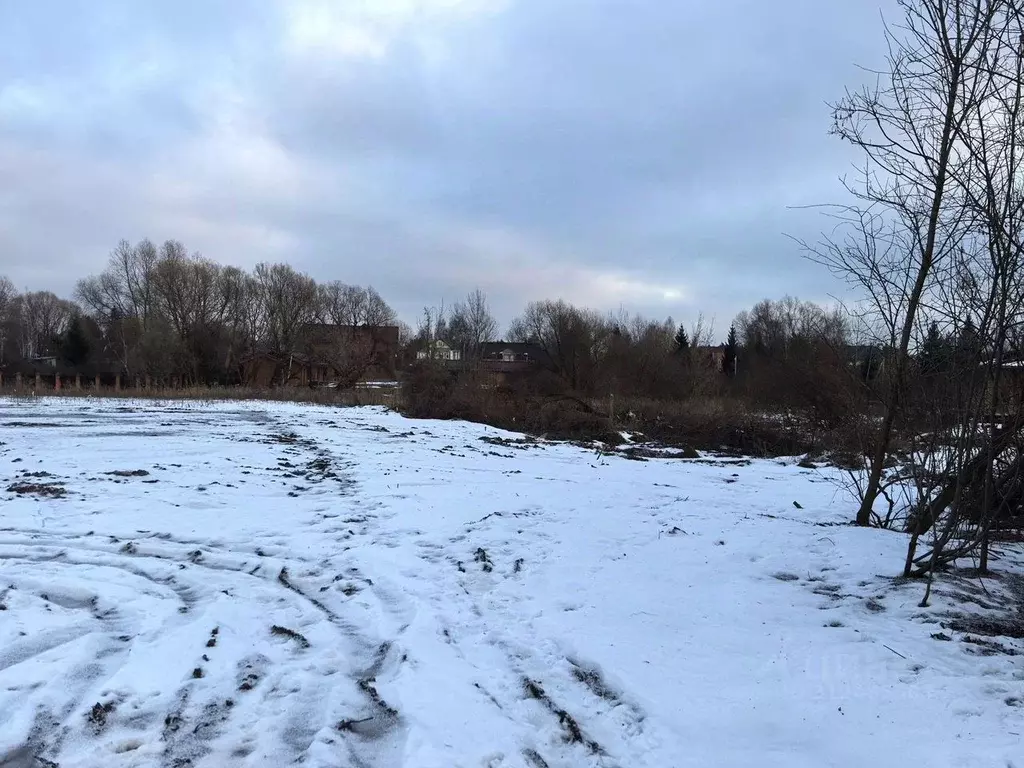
{"points": [[170, 314]]}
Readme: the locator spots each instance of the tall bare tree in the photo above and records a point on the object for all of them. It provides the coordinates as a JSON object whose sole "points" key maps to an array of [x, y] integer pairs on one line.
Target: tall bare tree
{"points": [[289, 301], [913, 130], [574, 338], [7, 295], [122, 299], [472, 324], [42, 317]]}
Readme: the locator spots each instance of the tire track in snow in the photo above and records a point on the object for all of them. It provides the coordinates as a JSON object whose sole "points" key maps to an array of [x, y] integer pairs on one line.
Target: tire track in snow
{"points": [[190, 574], [563, 707]]}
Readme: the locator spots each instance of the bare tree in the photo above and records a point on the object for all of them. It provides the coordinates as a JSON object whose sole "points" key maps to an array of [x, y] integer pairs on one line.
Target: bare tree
{"points": [[979, 481], [472, 324], [911, 129], [352, 305], [238, 298], [289, 301], [189, 296], [356, 333], [41, 318], [7, 295], [121, 299], [574, 338]]}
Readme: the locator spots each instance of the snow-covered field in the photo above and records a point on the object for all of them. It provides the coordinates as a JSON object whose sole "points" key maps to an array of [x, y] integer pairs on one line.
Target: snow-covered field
{"points": [[255, 584]]}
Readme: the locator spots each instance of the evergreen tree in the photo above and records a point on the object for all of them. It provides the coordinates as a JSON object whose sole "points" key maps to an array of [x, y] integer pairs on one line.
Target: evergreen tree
{"points": [[935, 358], [731, 353], [74, 345], [969, 343], [682, 341]]}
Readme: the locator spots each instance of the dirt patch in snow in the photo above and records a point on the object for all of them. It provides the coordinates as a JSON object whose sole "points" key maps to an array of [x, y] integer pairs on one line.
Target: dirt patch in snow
{"points": [[43, 490]]}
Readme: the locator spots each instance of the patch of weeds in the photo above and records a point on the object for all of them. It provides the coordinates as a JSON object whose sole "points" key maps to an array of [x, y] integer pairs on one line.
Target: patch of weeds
{"points": [[197, 673], [983, 647], [641, 453], [129, 548], [835, 624], [1013, 627], [1014, 701], [128, 473], [522, 443], [484, 559], [783, 576], [290, 634], [942, 636], [874, 606], [517, 566]]}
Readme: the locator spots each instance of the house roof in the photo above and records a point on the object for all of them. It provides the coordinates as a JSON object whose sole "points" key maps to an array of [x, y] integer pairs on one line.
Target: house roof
{"points": [[523, 350]]}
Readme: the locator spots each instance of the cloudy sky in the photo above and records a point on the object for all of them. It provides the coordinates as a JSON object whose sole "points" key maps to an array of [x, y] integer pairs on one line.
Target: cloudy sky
{"points": [[644, 154]]}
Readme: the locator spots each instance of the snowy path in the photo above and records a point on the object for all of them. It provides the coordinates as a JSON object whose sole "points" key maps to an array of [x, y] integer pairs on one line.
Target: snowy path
{"points": [[267, 585]]}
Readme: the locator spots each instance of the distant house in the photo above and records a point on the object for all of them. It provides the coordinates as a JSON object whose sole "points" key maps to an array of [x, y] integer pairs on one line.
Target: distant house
{"points": [[329, 355], [525, 355], [504, 361], [439, 350]]}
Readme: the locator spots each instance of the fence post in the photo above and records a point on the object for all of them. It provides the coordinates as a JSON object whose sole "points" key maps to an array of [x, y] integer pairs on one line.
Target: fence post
{"points": [[39, 382], [78, 382], [56, 382], [97, 382], [117, 383]]}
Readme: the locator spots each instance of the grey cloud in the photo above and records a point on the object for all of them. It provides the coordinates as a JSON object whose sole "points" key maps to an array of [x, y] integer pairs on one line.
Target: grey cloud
{"points": [[550, 149]]}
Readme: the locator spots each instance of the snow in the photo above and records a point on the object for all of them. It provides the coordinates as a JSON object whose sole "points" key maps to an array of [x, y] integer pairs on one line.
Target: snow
{"points": [[265, 584]]}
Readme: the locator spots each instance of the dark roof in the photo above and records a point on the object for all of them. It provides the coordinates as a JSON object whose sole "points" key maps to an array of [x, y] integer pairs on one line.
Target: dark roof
{"points": [[522, 350]]}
